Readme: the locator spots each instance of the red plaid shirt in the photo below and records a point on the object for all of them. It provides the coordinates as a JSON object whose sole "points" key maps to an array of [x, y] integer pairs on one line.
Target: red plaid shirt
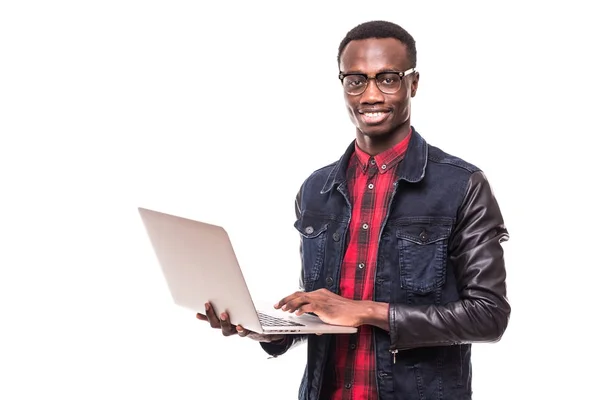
{"points": [[370, 184]]}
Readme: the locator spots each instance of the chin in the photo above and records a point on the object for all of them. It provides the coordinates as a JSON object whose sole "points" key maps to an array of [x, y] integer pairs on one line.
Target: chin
{"points": [[375, 132]]}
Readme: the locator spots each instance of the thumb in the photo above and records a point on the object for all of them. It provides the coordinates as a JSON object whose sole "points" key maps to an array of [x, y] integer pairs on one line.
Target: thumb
{"points": [[241, 331]]}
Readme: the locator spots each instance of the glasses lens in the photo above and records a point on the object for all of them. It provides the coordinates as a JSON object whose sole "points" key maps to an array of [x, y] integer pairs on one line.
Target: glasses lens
{"points": [[389, 83], [354, 84]]}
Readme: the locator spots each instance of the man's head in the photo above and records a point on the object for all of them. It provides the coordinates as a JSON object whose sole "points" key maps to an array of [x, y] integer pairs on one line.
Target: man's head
{"points": [[376, 61], [381, 29]]}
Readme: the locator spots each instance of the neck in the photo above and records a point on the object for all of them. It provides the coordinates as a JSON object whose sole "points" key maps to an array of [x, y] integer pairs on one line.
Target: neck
{"points": [[376, 144]]}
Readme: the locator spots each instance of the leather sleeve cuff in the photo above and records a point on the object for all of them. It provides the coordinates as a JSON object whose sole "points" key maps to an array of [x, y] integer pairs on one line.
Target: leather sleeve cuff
{"points": [[393, 320], [277, 348]]}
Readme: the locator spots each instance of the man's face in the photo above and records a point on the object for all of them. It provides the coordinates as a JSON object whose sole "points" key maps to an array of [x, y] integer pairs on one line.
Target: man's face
{"points": [[374, 113]]}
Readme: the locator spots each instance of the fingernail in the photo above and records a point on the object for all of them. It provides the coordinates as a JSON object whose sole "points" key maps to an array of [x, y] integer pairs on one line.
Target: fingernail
{"points": [[223, 316], [207, 306]]}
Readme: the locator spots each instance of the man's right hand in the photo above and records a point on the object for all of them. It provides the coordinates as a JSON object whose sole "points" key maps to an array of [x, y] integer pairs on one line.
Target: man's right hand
{"points": [[228, 329]]}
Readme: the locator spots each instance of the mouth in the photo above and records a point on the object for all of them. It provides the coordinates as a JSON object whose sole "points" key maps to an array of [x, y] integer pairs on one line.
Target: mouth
{"points": [[374, 117]]}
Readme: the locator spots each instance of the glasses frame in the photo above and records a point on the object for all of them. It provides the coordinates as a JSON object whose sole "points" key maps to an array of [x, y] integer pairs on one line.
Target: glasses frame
{"points": [[401, 75]]}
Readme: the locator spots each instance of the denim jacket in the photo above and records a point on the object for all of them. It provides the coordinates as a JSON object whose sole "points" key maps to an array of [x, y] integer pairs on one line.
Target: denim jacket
{"points": [[440, 267]]}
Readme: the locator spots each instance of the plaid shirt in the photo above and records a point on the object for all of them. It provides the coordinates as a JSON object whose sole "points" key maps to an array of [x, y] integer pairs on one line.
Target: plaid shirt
{"points": [[370, 184]]}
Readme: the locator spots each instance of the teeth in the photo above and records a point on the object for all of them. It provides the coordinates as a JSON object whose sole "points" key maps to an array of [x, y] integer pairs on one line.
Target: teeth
{"points": [[372, 115]]}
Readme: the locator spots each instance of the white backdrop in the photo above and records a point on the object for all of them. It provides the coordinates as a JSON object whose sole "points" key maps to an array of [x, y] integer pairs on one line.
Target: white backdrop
{"points": [[191, 108]]}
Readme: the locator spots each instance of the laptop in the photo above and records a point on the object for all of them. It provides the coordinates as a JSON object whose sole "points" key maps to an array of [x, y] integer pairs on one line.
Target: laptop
{"points": [[199, 265]]}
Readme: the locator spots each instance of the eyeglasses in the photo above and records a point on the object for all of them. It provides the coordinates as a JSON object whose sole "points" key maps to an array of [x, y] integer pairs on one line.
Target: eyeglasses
{"points": [[387, 81]]}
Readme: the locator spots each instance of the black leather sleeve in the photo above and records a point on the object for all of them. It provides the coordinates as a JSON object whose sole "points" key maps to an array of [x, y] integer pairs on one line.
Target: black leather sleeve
{"points": [[476, 254], [279, 348]]}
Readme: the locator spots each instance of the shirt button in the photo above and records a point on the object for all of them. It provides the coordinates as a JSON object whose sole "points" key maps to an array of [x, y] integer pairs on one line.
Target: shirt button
{"points": [[353, 346], [361, 265], [365, 226], [372, 162], [348, 385], [371, 186], [383, 166]]}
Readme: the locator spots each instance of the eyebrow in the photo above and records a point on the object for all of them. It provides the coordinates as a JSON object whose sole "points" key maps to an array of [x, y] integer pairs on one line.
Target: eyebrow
{"points": [[364, 73]]}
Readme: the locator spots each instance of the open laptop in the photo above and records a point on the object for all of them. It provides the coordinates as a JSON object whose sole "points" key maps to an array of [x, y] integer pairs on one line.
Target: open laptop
{"points": [[199, 265]]}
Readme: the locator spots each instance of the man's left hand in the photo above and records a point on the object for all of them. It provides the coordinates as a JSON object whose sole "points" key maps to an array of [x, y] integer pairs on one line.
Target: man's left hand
{"points": [[328, 306]]}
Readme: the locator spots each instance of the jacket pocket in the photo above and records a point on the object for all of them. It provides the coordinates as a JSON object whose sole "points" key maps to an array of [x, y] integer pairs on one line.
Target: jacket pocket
{"points": [[423, 246], [313, 235]]}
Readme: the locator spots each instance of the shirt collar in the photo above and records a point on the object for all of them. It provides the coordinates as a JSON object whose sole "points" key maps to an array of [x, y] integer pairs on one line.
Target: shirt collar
{"points": [[385, 160]]}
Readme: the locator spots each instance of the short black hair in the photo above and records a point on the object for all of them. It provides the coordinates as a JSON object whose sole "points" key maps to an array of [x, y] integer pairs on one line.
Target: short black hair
{"points": [[381, 30]]}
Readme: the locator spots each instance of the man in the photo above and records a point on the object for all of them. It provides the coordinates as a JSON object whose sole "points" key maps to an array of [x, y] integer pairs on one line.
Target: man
{"points": [[398, 239]]}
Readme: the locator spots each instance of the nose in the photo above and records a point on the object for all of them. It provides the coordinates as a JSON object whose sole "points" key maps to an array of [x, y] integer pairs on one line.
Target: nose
{"points": [[372, 94]]}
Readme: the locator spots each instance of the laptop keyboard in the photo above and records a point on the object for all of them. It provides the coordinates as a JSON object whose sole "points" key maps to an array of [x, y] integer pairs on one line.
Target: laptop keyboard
{"points": [[268, 320]]}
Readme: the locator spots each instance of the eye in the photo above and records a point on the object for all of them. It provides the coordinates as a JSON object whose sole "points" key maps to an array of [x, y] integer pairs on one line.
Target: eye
{"points": [[354, 81], [388, 79]]}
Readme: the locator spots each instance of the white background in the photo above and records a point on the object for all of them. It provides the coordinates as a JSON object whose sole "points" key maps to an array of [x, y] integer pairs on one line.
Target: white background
{"points": [[218, 112]]}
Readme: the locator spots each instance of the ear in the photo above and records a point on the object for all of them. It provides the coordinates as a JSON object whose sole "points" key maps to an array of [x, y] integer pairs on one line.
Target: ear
{"points": [[414, 84]]}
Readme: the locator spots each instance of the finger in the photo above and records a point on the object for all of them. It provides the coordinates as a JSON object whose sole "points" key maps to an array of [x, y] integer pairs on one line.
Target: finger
{"points": [[259, 337], [296, 303], [287, 299], [212, 317], [241, 331], [201, 317], [226, 326], [306, 309]]}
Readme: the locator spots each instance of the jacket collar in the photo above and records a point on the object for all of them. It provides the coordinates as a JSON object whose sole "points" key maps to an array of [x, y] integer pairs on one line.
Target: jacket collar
{"points": [[412, 168]]}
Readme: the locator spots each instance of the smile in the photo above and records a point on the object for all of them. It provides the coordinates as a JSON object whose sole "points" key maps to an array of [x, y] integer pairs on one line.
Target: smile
{"points": [[373, 117]]}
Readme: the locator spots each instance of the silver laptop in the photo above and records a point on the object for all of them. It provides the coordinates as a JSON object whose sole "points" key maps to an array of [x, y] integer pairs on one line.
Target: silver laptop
{"points": [[199, 265]]}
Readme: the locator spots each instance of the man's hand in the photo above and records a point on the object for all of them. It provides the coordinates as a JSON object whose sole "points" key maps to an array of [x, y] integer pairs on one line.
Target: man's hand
{"points": [[228, 329], [329, 307]]}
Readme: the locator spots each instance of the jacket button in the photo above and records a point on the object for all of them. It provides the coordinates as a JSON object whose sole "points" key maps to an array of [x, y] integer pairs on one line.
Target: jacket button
{"points": [[309, 229], [329, 281], [336, 237], [423, 236]]}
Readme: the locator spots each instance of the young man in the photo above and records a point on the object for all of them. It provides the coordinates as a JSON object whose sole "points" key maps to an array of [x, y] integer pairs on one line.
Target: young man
{"points": [[398, 239]]}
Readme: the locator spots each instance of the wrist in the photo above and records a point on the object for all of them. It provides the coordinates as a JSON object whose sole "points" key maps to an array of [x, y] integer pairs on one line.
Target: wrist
{"points": [[375, 313], [276, 339]]}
